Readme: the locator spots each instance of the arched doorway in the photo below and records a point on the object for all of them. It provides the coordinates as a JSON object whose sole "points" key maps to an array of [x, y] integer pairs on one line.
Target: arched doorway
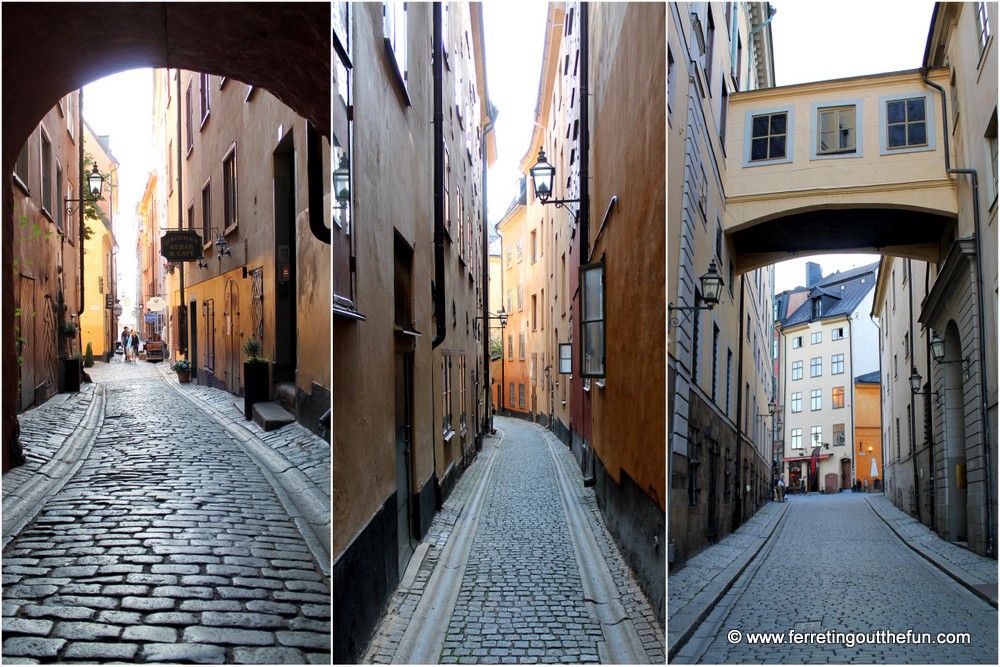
{"points": [[955, 490], [234, 362], [283, 48]]}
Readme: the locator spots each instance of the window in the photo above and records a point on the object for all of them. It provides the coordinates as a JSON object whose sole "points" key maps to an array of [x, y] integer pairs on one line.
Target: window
{"points": [[796, 370], [796, 438], [836, 130], [189, 117], [671, 76], [592, 320], [534, 312], [403, 283], [817, 436], [510, 352], [816, 338], [838, 397], [446, 393], [206, 213], [817, 308], [534, 368], [520, 253], [729, 380], [991, 153], [512, 398], [565, 358], [838, 435], [816, 400], [395, 37], [797, 401], [460, 214], [838, 334], [982, 25], [60, 208], [205, 99], [46, 174], [520, 346], [461, 391], [229, 190], [534, 247], [510, 261], [21, 168], [715, 362], [520, 298], [709, 44], [816, 367], [837, 364], [447, 196], [769, 135], [520, 395], [906, 123], [797, 342]]}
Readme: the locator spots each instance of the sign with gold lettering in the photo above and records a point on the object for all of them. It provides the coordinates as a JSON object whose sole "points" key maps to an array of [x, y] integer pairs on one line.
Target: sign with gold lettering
{"points": [[181, 246]]}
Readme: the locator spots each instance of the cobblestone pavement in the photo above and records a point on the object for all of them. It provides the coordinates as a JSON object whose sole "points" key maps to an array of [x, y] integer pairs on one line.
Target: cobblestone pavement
{"points": [[167, 545], [833, 566], [521, 598]]}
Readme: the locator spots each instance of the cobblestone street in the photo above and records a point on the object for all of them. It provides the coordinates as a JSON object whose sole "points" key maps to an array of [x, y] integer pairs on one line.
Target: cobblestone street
{"points": [[852, 576], [168, 544], [521, 597]]}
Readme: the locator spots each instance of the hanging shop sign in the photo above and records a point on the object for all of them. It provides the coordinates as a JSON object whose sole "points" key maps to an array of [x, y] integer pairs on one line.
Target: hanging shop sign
{"points": [[181, 246]]}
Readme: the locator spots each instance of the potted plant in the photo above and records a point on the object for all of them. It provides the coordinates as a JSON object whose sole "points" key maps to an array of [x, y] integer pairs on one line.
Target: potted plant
{"points": [[256, 377], [183, 369]]}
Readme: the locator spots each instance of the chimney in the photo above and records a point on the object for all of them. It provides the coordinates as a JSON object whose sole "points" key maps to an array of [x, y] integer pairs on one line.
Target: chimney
{"points": [[814, 274]]}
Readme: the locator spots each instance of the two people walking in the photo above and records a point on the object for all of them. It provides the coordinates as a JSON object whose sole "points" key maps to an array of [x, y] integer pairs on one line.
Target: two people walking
{"points": [[130, 341]]}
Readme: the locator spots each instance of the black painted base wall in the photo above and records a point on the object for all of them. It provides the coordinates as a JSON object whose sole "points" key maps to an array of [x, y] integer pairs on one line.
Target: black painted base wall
{"points": [[634, 520], [561, 431], [313, 406], [426, 502], [364, 577]]}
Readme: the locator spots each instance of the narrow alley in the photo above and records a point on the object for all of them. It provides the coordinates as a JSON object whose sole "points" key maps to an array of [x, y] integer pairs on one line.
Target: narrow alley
{"points": [[168, 543], [518, 568], [872, 586]]}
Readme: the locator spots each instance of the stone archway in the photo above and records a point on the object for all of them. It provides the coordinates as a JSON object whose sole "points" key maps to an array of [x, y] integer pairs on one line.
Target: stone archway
{"points": [[50, 49]]}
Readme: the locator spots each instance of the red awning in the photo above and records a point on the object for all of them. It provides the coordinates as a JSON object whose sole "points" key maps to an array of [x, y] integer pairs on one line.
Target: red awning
{"points": [[805, 458]]}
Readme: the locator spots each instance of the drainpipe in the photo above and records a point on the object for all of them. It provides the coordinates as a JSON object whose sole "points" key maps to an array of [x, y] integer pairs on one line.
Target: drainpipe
{"points": [[738, 514], [913, 411], [438, 120], [584, 132], [492, 113], [980, 310], [84, 192], [930, 412]]}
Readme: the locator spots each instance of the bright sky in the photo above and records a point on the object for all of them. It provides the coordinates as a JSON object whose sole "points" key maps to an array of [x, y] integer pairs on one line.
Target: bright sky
{"points": [[810, 44], [514, 34], [121, 106]]}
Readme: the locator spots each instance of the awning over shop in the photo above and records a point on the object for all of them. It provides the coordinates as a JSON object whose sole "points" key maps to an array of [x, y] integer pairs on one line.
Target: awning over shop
{"points": [[805, 458]]}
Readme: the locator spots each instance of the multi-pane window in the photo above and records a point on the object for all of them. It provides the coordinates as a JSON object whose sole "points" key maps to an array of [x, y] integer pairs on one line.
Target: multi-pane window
{"points": [[838, 397], [229, 190], [46, 173], [816, 338], [838, 333], [769, 134], [796, 370], [836, 131], [206, 213], [816, 400], [982, 25], [817, 436], [837, 364], [447, 195], [461, 391], [520, 346], [446, 392], [797, 401], [815, 367], [510, 350], [906, 123], [512, 396], [797, 342], [520, 395], [205, 98], [21, 167], [838, 435], [189, 116], [796, 438], [592, 320]]}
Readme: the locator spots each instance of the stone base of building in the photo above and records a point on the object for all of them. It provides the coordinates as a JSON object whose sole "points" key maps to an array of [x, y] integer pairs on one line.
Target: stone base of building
{"points": [[638, 525]]}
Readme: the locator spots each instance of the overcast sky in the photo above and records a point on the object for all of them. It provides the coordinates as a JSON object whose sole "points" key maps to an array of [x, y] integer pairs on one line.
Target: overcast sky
{"points": [[811, 44]]}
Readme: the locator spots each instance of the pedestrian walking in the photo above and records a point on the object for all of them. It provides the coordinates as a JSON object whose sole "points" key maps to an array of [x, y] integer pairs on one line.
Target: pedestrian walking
{"points": [[781, 488], [135, 346]]}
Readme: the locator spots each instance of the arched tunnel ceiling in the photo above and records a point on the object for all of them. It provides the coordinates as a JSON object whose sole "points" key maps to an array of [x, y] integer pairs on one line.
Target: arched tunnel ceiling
{"points": [[914, 234], [50, 49]]}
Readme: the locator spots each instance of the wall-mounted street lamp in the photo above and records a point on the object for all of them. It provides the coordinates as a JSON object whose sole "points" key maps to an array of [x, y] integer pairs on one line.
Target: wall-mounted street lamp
{"points": [[202, 263], [916, 382], [543, 176], [938, 352], [711, 290], [220, 246], [502, 317], [95, 183]]}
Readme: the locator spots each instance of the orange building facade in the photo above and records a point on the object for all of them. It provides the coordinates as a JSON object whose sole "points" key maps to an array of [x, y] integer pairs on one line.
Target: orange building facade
{"points": [[868, 470]]}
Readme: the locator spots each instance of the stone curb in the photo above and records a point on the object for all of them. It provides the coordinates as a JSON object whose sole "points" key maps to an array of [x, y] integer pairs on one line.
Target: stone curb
{"points": [[23, 504], [963, 577], [682, 626], [308, 506]]}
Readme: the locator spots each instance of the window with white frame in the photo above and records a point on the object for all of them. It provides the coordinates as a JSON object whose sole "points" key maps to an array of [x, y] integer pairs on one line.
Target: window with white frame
{"points": [[816, 400], [816, 338], [446, 426], [816, 367], [394, 14], [817, 436], [461, 391], [46, 173], [204, 97], [796, 438], [838, 333], [982, 25], [838, 435], [796, 342], [838, 397], [797, 401], [836, 130], [230, 190], [837, 364], [796, 370]]}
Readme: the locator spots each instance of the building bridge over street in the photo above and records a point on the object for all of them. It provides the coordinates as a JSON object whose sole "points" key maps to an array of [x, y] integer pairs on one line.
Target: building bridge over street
{"points": [[851, 165]]}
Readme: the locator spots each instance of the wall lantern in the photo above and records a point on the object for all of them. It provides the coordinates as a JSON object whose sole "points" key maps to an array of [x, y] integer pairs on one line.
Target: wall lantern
{"points": [[95, 183], [711, 290], [543, 176], [342, 181], [937, 347], [220, 246]]}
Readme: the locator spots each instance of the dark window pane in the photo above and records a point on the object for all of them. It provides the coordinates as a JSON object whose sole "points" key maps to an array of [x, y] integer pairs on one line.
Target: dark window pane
{"points": [[896, 112], [778, 123], [777, 147], [758, 149], [759, 126], [917, 134], [914, 110], [897, 136]]}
